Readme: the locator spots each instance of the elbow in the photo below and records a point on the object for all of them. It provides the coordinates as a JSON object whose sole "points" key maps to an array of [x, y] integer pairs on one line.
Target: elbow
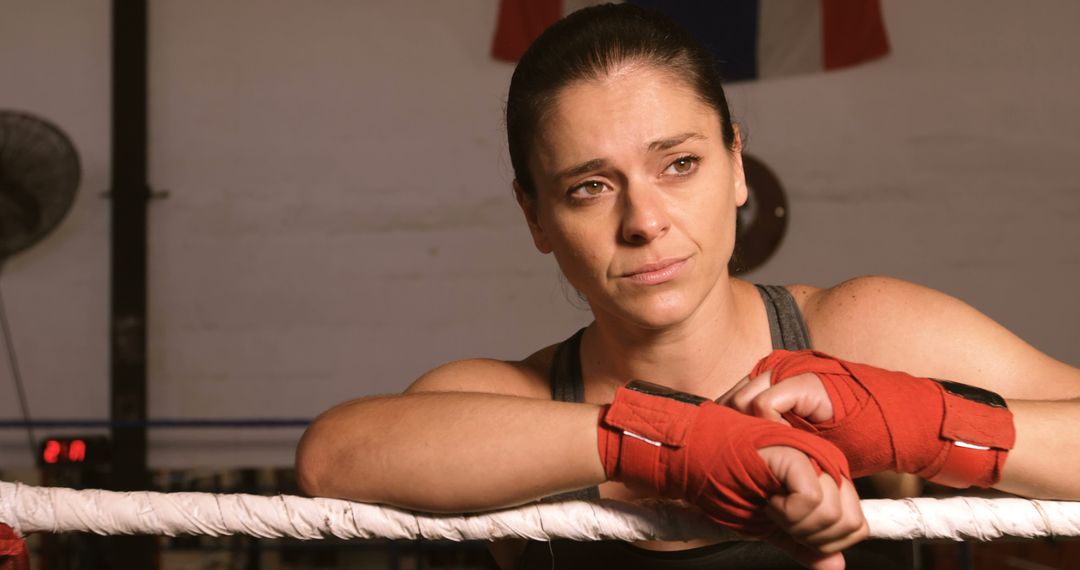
{"points": [[311, 464], [307, 478], [326, 457]]}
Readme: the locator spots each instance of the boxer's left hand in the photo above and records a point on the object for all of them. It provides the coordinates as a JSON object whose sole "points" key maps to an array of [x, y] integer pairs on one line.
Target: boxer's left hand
{"points": [[951, 433]]}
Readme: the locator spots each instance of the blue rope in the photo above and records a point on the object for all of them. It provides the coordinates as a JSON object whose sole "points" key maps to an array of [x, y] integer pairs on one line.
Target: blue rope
{"points": [[173, 423]]}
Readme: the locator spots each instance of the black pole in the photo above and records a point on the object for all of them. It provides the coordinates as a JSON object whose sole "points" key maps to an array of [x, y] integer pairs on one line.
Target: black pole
{"points": [[129, 193]]}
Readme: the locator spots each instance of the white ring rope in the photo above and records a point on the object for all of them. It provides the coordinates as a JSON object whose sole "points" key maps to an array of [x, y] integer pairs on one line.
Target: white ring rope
{"points": [[28, 509]]}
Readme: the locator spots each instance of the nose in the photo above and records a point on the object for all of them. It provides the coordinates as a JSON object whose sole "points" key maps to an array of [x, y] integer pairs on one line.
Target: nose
{"points": [[644, 214]]}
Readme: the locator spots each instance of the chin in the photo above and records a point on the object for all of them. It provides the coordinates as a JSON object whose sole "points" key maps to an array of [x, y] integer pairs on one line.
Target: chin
{"points": [[658, 313]]}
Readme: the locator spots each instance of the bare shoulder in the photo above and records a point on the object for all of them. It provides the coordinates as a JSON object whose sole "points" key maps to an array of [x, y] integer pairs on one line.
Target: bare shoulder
{"points": [[886, 320], [526, 378], [900, 325]]}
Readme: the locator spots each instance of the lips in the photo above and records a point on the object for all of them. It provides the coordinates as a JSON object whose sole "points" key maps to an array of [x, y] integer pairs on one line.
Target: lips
{"points": [[656, 272]]}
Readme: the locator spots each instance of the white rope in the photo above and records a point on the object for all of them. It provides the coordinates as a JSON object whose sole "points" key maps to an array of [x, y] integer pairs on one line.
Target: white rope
{"points": [[28, 509]]}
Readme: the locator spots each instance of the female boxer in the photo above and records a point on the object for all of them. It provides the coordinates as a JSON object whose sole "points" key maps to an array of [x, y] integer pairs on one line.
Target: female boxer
{"points": [[628, 171]]}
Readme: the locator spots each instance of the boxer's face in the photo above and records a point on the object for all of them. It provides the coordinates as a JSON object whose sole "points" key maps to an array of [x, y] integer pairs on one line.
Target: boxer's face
{"points": [[636, 194]]}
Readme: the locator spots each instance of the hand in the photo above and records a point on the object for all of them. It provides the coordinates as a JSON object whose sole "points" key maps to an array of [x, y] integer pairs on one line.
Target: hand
{"points": [[815, 518], [950, 433], [783, 485], [685, 447]]}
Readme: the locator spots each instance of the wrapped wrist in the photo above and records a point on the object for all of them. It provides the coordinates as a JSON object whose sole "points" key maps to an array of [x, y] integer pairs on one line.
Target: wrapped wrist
{"points": [[681, 446], [950, 433]]}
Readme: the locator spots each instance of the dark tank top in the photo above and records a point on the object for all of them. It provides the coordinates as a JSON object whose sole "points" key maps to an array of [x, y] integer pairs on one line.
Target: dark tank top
{"points": [[788, 331]]}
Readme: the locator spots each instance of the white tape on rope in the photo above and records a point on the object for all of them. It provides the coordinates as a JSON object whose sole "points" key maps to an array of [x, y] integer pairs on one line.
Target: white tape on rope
{"points": [[29, 509]]}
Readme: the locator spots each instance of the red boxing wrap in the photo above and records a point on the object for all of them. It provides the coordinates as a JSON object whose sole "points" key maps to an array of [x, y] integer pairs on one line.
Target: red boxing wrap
{"points": [[950, 433], [13, 552], [685, 447]]}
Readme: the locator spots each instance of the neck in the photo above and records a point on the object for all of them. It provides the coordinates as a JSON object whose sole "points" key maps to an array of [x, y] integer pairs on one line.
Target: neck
{"points": [[704, 355]]}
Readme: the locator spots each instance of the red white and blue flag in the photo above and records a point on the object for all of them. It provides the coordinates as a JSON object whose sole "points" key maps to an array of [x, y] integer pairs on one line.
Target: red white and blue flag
{"points": [[751, 38]]}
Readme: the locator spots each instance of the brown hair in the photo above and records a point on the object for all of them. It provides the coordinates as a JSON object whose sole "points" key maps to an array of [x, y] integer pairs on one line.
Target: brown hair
{"points": [[594, 41]]}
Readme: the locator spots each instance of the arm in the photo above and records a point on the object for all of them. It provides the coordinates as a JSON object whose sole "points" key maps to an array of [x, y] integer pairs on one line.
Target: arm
{"points": [[452, 451], [460, 451], [896, 325], [1046, 450]]}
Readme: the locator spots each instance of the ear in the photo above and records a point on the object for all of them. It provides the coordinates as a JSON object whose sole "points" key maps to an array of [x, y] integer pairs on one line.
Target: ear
{"points": [[741, 192], [528, 207]]}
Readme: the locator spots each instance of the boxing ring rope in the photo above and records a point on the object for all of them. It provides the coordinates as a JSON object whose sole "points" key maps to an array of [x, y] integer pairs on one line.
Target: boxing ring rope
{"points": [[28, 509]]}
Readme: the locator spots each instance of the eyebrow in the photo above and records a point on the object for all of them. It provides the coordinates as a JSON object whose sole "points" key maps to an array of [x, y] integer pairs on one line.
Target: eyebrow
{"points": [[657, 145], [587, 166], [670, 142]]}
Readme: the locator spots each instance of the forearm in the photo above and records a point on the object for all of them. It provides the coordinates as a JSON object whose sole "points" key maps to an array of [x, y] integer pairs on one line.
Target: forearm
{"points": [[1046, 454], [451, 451]]}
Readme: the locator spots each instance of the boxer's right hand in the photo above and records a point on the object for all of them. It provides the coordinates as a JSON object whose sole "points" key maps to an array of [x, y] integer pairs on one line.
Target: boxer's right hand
{"points": [[815, 518], [746, 473]]}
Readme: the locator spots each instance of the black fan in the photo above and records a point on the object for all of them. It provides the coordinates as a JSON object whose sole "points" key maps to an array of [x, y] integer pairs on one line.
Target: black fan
{"points": [[39, 174]]}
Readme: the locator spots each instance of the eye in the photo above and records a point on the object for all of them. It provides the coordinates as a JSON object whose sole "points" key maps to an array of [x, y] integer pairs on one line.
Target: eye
{"points": [[588, 189], [683, 165]]}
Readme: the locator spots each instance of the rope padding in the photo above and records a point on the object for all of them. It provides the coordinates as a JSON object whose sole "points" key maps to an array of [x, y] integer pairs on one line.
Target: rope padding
{"points": [[28, 509]]}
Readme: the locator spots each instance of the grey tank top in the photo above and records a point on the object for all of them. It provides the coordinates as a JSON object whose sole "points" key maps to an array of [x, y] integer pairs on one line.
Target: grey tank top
{"points": [[788, 331], [786, 328]]}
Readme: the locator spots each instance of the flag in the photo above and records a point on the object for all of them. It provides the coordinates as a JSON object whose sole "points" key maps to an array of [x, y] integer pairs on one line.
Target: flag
{"points": [[751, 39]]}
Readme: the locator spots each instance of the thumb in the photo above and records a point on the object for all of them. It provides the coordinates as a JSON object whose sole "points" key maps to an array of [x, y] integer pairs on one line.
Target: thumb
{"points": [[804, 396], [797, 472], [799, 476]]}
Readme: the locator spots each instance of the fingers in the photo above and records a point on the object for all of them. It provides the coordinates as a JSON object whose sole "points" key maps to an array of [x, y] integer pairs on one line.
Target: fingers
{"points": [[795, 472], [744, 395], [831, 526], [804, 395], [814, 512], [849, 529], [725, 399]]}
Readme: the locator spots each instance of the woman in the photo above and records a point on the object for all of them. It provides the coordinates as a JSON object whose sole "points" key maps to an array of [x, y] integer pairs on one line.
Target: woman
{"points": [[628, 170]]}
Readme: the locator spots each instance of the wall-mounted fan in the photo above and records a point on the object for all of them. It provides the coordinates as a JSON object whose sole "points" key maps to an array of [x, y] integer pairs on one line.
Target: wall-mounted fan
{"points": [[39, 174]]}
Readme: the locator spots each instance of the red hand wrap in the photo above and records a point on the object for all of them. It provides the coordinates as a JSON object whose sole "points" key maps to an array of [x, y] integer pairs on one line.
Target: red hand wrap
{"points": [[892, 420], [13, 553], [685, 447]]}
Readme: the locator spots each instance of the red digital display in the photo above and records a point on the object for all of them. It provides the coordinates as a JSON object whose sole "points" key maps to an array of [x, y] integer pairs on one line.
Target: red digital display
{"points": [[51, 454], [76, 451]]}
